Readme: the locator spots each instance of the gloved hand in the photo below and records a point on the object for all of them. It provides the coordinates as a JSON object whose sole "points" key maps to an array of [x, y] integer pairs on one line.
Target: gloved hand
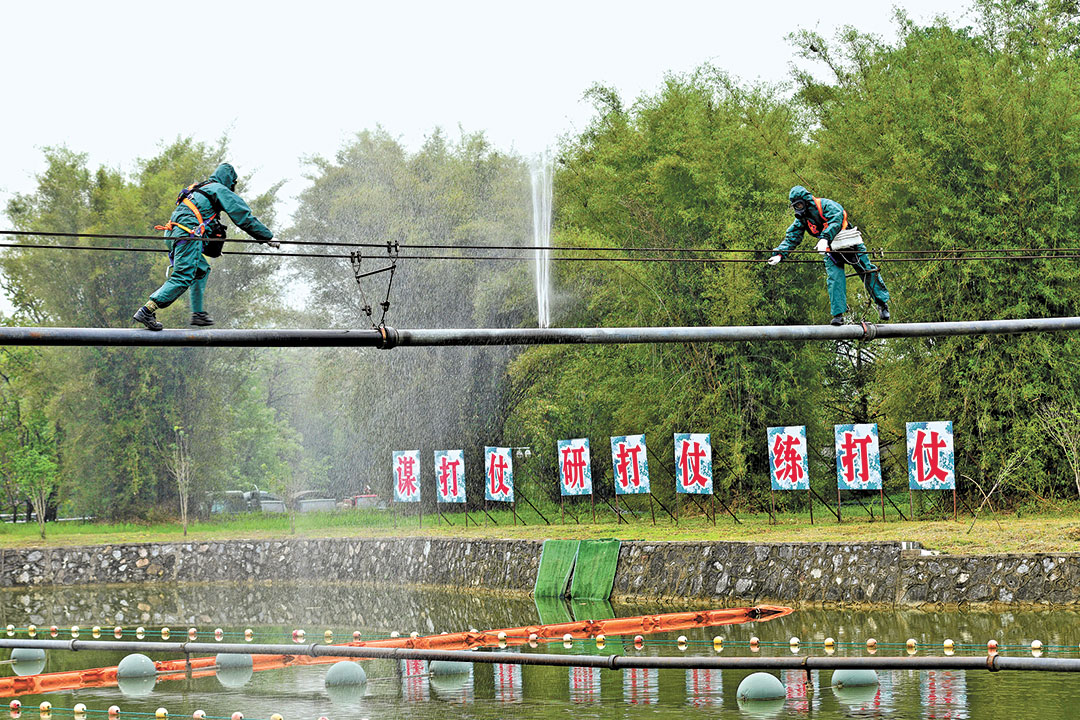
{"points": [[822, 246], [273, 243], [775, 259]]}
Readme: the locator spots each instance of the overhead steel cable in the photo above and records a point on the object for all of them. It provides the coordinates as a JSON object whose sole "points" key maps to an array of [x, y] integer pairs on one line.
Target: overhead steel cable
{"points": [[574, 258], [1026, 252]]}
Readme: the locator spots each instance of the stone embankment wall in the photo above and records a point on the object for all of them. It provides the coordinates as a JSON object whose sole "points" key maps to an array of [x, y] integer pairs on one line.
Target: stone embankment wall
{"points": [[878, 573]]}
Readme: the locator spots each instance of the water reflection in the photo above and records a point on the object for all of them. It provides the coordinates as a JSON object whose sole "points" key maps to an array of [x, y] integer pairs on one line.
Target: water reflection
{"points": [[407, 688]]}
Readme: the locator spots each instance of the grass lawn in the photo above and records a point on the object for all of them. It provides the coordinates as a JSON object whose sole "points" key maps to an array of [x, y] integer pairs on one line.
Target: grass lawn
{"points": [[1047, 531]]}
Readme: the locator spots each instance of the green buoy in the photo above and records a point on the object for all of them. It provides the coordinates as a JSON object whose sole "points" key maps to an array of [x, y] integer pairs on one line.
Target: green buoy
{"points": [[761, 686], [234, 669], [136, 675], [438, 668], [345, 672], [846, 678], [27, 661]]}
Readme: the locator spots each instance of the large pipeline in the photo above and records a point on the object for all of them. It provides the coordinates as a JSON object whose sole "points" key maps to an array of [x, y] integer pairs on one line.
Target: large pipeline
{"points": [[389, 337], [993, 663]]}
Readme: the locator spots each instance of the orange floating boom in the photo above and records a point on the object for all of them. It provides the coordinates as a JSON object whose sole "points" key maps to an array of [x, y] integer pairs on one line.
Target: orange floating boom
{"points": [[581, 629]]}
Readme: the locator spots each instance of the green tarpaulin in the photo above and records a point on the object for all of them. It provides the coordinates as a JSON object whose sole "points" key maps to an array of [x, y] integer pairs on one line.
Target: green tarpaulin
{"points": [[556, 564], [594, 571]]}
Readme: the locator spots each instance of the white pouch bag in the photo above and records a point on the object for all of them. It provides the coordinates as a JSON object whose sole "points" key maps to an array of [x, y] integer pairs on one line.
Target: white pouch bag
{"points": [[847, 239]]}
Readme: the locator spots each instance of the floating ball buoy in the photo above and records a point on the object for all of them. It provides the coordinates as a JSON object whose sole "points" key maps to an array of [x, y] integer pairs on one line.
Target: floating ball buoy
{"points": [[854, 678], [79, 709], [27, 661], [991, 647], [356, 636], [276, 716], [140, 632], [136, 665], [414, 634], [165, 632], [948, 646], [1036, 648], [114, 710], [45, 706], [501, 637], [298, 635], [793, 645], [328, 637], [31, 631], [136, 675], [533, 638], [10, 630], [192, 633], [249, 635], [395, 634], [15, 705], [234, 669], [680, 642], [347, 672], [568, 641], [219, 634], [161, 713], [237, 715], [755, 645], [871, 644], [601, 640], [198, 715], [443, 668], [639, 642], [74, 631], [761, 686], [718, 643], [95, 631], [912, 646], [118, 632], [54, 631]]}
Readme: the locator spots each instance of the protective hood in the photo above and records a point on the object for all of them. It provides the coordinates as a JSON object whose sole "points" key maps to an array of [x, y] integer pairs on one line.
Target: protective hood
{"points": [[809, 211], [797, 193], [226, 175]]}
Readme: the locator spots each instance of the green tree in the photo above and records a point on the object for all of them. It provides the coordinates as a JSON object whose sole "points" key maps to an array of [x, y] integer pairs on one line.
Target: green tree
{"points": [[958, 138], [116, 406]]}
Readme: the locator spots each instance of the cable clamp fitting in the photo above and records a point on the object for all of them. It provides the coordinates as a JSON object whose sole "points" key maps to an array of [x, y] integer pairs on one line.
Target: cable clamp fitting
{"points": [[869, 330]]}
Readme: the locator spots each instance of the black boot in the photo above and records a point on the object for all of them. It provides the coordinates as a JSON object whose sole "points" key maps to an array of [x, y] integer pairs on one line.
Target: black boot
{"points": [[144, 316], [201, 319], [883, 312], [837, 320]]}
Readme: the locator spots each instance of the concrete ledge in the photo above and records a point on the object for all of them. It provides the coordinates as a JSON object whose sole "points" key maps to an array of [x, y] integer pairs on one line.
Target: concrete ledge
{"points": [[722, 573]]}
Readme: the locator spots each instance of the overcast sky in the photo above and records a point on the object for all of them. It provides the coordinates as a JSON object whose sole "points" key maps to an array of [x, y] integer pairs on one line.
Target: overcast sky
{"points": [[290, 80]]}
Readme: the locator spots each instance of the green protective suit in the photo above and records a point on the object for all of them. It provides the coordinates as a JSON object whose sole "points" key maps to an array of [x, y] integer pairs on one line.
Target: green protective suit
{"points": [[827, 228], [189, 267]]}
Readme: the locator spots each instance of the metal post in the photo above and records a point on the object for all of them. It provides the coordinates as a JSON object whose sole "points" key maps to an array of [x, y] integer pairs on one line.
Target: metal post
{"points": [[882, 491], [838, 520], [810, 501]]}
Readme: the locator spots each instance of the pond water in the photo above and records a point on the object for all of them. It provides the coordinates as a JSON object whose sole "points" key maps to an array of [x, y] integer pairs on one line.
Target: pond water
{"points": [[501, 691]]}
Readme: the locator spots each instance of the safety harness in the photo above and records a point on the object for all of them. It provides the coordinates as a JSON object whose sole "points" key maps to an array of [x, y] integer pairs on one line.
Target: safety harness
{"points": [[821, 213], [193, 233]]}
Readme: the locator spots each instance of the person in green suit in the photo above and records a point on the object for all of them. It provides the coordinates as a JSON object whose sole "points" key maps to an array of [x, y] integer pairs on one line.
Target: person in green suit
{"points": [[192, 227], [841, 245]]}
